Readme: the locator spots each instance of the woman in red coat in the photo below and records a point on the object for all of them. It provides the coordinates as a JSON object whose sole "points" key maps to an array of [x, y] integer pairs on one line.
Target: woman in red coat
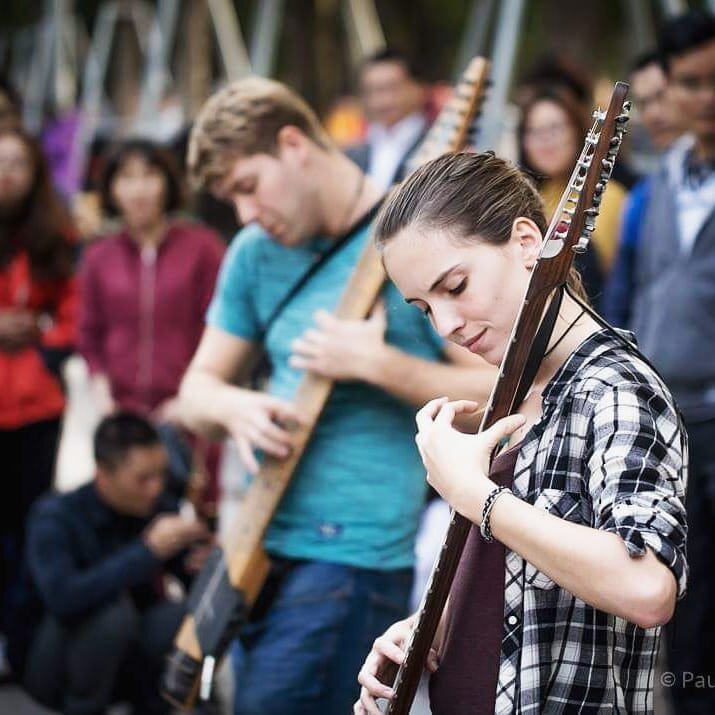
{"points": [[38, 301]]}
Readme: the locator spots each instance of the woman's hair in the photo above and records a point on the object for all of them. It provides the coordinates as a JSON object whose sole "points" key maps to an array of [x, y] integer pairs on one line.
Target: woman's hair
{"points": [[576, 113], [474, 197], [154, 155], [40, 225]]}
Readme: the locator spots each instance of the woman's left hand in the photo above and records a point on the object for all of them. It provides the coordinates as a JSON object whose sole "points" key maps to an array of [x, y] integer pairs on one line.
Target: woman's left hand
{"points": [[458, 464]]}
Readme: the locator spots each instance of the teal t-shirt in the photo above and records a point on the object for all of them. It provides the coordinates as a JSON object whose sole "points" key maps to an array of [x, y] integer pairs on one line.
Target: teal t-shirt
{"points": [[356, 495]]}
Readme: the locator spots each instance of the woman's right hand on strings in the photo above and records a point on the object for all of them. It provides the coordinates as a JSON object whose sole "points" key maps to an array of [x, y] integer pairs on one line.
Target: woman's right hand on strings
{"points": [[388, 648], [259, 421]]}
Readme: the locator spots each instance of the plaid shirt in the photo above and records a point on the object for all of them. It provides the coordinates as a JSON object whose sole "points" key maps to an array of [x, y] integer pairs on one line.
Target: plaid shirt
{"points": [[609, 452]]}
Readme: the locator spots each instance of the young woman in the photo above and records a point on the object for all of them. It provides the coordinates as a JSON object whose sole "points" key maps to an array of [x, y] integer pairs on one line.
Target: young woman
{"points": [[593, 528], [553, 121], [38, 300], [146, 288]]}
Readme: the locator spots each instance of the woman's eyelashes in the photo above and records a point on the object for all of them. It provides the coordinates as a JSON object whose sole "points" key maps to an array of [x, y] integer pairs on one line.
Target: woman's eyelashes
{"points": [[459, 288]]}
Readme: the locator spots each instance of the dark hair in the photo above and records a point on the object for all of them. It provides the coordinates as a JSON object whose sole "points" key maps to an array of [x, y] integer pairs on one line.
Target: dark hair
{"points": [[471, 195], [119, 433], [390, 54], [41, 225], [555, 71], [575, 110], [644, 60], [154, 155], [684, 33], [13, 97]]}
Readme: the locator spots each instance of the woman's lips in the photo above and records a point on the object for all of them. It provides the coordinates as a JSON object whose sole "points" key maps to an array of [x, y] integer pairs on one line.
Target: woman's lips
{"points": [[473, 343]]}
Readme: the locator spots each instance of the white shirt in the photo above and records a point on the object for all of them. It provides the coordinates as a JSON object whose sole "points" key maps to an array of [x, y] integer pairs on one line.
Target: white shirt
{"points": [[389, 145], [694, 205]]}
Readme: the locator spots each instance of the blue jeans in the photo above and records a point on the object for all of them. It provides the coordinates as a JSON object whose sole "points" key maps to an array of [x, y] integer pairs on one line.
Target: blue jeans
{"points": [[303, 655]]}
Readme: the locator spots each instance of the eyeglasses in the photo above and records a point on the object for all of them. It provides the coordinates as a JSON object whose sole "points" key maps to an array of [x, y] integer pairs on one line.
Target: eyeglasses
{"points": [[548, 131], [693, 85]]}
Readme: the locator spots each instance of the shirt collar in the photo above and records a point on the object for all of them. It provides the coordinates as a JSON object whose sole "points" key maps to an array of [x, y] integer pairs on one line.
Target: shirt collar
{"points": [[589, 350], [406, 130], [696, 172]]}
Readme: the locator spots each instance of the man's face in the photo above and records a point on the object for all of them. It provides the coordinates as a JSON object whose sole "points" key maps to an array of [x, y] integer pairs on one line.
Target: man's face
{"points": [[273, 192], [691, 81], [649, 91], [133, 486], [388, 92]]}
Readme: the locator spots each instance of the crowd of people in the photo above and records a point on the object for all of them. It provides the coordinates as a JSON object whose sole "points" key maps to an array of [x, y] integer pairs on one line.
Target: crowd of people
{"points": [[594, 518]]}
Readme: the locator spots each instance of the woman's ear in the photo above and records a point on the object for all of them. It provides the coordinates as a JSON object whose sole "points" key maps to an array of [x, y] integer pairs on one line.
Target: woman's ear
{"points": [[526, 236]]}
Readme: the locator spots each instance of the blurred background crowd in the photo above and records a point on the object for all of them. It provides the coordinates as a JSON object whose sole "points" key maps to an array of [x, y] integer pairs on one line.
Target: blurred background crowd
{"points": [[108, 261]]}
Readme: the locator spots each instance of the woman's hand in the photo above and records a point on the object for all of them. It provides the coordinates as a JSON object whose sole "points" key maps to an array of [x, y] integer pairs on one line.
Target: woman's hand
{"points": [[18, 329], [387, 649], [458, 464]]}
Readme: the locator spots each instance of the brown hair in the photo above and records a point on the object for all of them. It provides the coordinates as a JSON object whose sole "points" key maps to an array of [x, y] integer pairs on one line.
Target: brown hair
{"points": [[576, 112], [473, 196], [244, 118], [40, 225]]}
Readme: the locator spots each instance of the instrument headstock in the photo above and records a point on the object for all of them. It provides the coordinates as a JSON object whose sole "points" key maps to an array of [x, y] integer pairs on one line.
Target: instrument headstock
{"points": [[454, 128], [574, 220]]}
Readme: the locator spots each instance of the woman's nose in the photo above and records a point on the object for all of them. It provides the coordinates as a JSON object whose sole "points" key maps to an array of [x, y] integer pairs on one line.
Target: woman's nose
{"points": [[446, 322]]}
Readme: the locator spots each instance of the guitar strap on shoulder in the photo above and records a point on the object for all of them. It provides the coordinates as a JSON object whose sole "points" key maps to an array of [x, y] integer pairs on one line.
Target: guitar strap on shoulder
{"points": [[320, 260], [262, 368], [538, 347]]}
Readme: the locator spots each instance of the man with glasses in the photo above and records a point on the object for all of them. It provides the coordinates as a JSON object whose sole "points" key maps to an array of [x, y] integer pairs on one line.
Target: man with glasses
{"points": [[662, 126], [674, 321]]}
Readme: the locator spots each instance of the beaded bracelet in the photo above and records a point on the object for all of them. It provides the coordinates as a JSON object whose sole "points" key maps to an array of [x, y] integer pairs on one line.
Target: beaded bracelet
{"points": [[485, 527]]}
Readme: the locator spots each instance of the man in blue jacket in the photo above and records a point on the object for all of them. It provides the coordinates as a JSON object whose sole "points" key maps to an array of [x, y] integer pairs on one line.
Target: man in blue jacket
{"points": [[96, 558]]}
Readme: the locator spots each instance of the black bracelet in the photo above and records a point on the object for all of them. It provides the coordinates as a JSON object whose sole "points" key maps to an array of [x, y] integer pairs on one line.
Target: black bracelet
{"points": [[485, 527]]}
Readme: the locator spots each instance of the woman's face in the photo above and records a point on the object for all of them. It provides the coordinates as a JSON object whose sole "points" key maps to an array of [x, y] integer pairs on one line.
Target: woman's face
{"points": [[16, 172], [471, 292], [550, 139], [139, 192]]}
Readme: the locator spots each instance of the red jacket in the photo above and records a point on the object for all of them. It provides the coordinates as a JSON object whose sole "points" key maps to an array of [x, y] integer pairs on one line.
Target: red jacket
{"points": [[29, 392], [142, 315]]}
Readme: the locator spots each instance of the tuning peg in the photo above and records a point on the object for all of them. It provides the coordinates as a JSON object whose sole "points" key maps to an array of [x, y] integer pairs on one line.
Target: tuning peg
{"points": [[581, 246], [593, 212], [562, 229], [599, 114]]}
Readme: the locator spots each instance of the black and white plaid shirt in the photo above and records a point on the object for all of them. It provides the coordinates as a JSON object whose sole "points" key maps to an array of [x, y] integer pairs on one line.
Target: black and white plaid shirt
{"points": [[609, 452]]}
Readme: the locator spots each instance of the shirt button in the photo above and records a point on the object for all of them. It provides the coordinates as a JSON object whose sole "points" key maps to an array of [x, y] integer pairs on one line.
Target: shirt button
{"points": [[512, 620]]}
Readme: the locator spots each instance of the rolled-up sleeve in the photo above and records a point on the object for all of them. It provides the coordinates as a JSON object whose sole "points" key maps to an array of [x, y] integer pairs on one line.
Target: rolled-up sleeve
{"points": [[638, 474]]}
